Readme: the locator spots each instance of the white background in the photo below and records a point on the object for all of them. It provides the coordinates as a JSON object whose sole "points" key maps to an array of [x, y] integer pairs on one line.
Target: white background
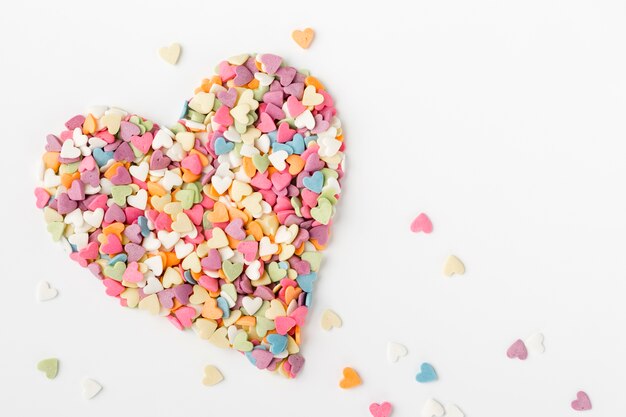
{"points": [[503, 120]]}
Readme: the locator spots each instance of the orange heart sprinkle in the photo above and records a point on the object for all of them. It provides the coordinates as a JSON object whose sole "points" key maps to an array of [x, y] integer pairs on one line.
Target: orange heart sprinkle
{"points": [[303, 37], [350, 379]]}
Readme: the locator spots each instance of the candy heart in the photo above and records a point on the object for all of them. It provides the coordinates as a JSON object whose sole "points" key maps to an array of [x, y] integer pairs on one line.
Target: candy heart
{"points": [[50, 367], [45, 292], [396, 351], [534, 343], [582, 402], [303, 37], [350, 379], [453, 265], [517, 350], [421, 224], [427, 373], [380, 410], [170, 53], [216, 223], [212, 376], [330, 319], [91, 388], [432, 408]]}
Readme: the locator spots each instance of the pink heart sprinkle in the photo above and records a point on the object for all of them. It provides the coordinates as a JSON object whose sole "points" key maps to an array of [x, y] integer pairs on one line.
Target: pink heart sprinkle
{"points": [[517, 350], [185, 315], [380, 410], [582, 402], [421, 224], [267, 124], [42, 197], [114, 288], [284, 324], [132, 273]]}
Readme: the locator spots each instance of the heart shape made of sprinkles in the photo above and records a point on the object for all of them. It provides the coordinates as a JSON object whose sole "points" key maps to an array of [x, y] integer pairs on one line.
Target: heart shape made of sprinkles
{"points": [[217, 222]]}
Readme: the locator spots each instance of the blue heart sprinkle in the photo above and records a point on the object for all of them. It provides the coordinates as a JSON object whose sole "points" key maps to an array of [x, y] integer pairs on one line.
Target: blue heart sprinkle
{"points": [[283, 265], [427, 373], [101, 156], [222, 147], [297, 144], [122, 257], [315, 182], [282, 147], [143, 223], [273, 136], [306, 281], [308, 300], [223, 305], [277, 342], [189, 278]]}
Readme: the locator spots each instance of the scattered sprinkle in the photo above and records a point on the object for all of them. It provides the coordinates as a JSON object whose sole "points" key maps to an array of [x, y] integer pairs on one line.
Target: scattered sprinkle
{"points": [[432, 408], [452, 266], [421, 224], [50, 367], [330, 319], [427, 373], [303, 37], [380, 410], [517, 350], [395, 351], [217, 221], [45, 292], [350, 379], [582, 402], [91, 388], [170, 54], [212, 376], [534, 343]]}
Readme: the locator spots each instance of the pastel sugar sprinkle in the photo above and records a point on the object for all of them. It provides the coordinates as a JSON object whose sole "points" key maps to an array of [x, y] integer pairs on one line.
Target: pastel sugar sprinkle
{"points": [[218, 221]]}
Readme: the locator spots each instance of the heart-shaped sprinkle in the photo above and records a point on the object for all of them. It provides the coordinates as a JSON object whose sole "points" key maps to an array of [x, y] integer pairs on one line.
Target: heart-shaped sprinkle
{"points": [[170, 54], [91, 388], [380, 410], [534, 343], [395, 351], [453, 266], [427, 373], [216, 223], [517, 350], [212, 376], [330, 319], [432, 408], [303, 37], [45, 292], [350, 379], [50, 367], [421, 224], [582, 402]]}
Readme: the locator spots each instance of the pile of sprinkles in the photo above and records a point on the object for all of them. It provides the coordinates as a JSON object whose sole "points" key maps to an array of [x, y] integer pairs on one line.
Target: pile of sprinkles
{"points": [[217, 222]]}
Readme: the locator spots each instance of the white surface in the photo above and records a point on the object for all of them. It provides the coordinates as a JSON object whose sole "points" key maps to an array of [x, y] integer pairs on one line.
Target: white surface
{"points": [[502, 120]]}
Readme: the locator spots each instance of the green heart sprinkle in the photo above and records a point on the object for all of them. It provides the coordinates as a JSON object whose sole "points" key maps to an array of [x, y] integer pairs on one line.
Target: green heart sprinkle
{"points": [[56, 229], [119, 193], [232, 270], [323, 211], [314, 259], [50, 367], [275, 272]]}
